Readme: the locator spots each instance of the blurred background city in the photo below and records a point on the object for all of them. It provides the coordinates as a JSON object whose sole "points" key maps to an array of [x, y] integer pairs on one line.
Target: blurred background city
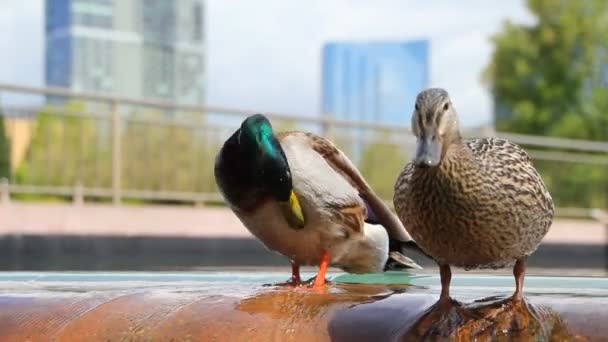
{"points": [[112, 112]]}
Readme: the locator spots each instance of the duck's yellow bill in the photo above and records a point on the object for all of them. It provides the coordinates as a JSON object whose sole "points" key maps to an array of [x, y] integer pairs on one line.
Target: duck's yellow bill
{"points": [[293, 211], [294, 203]]}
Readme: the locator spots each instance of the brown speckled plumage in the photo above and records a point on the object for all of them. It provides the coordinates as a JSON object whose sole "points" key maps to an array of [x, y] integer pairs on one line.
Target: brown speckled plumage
{"points": [[483, 206]]}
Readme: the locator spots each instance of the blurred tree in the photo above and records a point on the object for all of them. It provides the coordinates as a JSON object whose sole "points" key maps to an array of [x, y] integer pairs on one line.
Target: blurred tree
{"points": [[67, 149], [551, 78], [5, 151], [167, 157], [284, 125], [380, 164]]}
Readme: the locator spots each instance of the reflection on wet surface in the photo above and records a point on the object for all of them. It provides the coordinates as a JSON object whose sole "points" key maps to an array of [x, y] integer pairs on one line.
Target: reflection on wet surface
{"points": [[237, 307], [488, 319]]}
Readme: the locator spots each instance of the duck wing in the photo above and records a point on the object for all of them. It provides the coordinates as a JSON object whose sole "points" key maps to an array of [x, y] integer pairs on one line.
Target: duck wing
{"points": [[354, 215], [378, 211], [512, 165]]}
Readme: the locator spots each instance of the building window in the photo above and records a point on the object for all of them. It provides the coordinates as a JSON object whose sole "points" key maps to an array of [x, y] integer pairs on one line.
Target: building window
{"points": [[158, 71], [159, 21], [197, 23], [93, 20], [93, 13]]}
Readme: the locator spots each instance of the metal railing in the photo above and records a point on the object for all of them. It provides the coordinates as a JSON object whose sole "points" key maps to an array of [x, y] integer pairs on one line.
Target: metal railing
{"points": [[126, 152]]}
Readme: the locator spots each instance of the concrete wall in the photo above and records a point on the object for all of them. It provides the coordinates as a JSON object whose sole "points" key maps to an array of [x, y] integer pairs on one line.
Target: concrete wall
{"points": [[104, 237]]}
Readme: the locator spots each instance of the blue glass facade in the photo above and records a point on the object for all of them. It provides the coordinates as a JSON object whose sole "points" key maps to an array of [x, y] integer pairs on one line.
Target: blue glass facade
{"points": [[58, 15], [59, 57], [373, 81]]}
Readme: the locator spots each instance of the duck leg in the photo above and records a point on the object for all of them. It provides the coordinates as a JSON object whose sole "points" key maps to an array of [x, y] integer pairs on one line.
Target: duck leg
{"points": [[519, 271], [511, 313], [441, 318], [295, 273], [320, 279], [446, 277]]}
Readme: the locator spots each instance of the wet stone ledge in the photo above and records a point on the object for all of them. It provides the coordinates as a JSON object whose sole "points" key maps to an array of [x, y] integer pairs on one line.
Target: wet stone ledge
{"points": [[237, 307]]}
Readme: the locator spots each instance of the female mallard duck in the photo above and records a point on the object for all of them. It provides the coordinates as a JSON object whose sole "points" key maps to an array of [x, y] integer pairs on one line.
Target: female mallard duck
{"points": [[303, 198], [471, 204]]}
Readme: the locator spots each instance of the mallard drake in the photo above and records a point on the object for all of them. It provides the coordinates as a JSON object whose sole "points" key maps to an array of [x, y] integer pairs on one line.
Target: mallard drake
{"points": [[474, 204], [302, 197]]}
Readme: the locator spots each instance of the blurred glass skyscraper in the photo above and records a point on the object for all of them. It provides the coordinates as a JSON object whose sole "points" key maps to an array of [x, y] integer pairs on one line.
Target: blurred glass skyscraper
{"points": [[373, 81], [136, 48]]}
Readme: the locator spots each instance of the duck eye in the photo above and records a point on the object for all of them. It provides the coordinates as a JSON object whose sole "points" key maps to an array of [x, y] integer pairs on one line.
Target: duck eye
{"points": [[446, 106]]}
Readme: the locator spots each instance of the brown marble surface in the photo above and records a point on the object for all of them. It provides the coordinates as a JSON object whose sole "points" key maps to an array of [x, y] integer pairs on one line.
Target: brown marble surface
{"points": [[118, 308]]}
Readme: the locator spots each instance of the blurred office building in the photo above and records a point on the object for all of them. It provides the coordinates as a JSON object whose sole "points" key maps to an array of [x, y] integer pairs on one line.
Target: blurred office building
{"points": [[373, 81], [134, 48]]}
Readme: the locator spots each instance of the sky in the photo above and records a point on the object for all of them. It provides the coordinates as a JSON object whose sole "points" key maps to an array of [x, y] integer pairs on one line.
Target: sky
{"points": [[264, 55]]}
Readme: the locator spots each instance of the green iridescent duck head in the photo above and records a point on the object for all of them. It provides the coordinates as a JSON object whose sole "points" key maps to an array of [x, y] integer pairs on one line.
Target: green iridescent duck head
{"points": [[269, 164]]}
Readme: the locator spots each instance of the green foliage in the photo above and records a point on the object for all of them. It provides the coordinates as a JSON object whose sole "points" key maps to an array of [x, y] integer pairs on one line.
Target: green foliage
{"points": [[552, 79], [547, 78], [348, 140], [66, 150], [381, 163], [70, 149], [167, 158], [284, 125], [160, 155], [5, 151]]}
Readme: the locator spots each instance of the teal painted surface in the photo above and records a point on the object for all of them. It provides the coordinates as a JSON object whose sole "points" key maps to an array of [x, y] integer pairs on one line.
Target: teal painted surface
{"points": [[489, 281], [476, 280]]}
